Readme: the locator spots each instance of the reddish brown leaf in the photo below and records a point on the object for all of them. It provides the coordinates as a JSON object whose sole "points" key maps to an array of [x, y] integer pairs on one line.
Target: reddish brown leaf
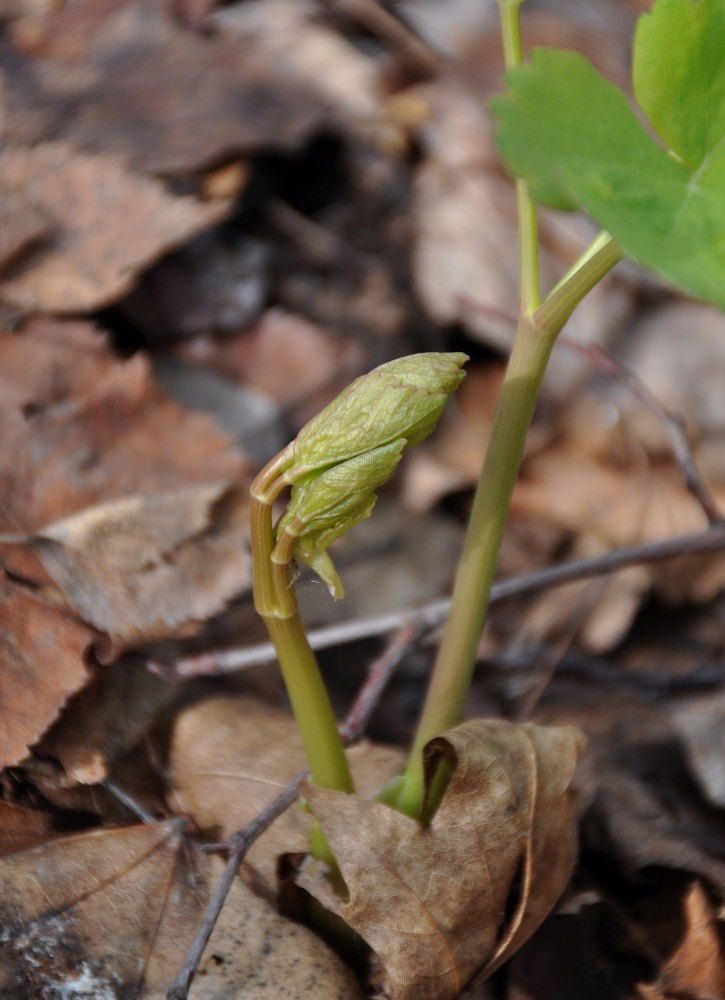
{"points": [[21, 828], [107, 225], [138, 567], [103, 728], [439, 904], [696, 967], [79, 427], [127, 78], [286, 357]]}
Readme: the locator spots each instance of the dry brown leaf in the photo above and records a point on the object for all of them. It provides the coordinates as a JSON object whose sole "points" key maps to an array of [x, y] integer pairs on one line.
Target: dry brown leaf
{"points": [[255, 954], [24, 223], [80, 427], [603, 486], [295, 362], [696, 968], [138, 567], [107, 225], [645, 809], [97, 731], [21, 827], [100, 912], [127, 78], [307, 54], [439, 904], [111, 913], [230, 757]]}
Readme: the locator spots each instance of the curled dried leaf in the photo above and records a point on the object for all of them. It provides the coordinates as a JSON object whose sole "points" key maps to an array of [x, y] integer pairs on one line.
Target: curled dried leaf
{"points": [[442, 903]]}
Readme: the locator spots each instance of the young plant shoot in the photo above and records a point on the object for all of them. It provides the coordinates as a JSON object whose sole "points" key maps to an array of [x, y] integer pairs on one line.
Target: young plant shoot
{"points": [[333, 467], [573, 142]]}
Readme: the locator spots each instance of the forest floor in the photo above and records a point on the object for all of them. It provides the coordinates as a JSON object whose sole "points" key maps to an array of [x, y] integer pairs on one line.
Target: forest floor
{"points": [[214, 217]]}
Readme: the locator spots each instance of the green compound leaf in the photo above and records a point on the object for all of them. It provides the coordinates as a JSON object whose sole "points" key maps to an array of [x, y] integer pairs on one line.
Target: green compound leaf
{"points": [[574, 136]]}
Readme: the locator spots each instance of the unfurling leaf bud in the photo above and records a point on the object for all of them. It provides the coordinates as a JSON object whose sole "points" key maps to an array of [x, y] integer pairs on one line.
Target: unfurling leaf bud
{"points": [[324, 505], [401, 399], [352, 447]]}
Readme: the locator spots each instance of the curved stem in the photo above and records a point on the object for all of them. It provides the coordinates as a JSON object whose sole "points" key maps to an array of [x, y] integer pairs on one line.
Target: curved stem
{"points": [[276, 604]]}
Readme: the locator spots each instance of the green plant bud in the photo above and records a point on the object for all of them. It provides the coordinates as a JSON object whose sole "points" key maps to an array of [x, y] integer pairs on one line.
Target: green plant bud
{"points": [[324, 505], [312, 549], [322, 500], [400, 399]]}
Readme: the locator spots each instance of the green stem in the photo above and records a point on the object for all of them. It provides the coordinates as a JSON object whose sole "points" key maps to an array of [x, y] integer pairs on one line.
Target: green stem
{"points": [[535, 338], [276, 604], [596, 261], [310, 704], [529, 288], [457, 654]]}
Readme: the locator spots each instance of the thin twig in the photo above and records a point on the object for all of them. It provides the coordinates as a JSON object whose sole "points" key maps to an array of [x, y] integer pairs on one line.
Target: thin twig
{"points": [[431, 615], [129, 801], [239, 843], [379, 674]]}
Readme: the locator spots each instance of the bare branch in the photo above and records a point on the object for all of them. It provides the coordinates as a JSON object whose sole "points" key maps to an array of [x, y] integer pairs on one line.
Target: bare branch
{"points": [[432, 615]]}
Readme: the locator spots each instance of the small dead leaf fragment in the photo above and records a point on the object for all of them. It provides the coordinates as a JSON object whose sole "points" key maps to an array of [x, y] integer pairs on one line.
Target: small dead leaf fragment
{"points": [[440, 904], [697, 966], [21, 827], [107, 226]]}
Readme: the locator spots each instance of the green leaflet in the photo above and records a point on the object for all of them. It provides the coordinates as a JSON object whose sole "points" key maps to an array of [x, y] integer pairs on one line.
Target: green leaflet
{"points": [[574, 136], [678, 76]]}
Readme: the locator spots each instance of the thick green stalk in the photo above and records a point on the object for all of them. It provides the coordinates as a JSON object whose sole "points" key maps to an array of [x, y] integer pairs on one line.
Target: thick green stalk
{"points": [[457, 654], [535, 338], [536, 334]]}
